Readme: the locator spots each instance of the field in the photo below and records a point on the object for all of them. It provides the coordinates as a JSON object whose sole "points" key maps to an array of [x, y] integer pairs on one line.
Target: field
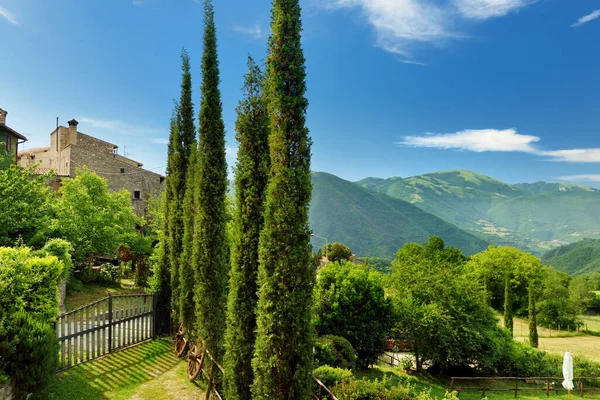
{"points": [[95, 291]]}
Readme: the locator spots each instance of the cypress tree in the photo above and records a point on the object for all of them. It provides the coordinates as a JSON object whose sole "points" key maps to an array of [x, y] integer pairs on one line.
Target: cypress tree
{"points": [[181, 149], [508, 312], [282, 361], [252, 171], [533, 332], [163, 270], [186, 275], [210, 240]]}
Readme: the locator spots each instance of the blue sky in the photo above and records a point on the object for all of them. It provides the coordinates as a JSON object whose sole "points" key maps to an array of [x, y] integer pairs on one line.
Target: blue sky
{"points": [[508, 88]]}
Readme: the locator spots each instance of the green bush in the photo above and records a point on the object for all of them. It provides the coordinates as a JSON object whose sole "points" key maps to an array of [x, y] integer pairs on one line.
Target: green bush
{"points": [[334, 351], [29, 282], [62, 250], [371, 390], [110, 273], [331, 376], [30, 349], [350, 302], [74, 285]]}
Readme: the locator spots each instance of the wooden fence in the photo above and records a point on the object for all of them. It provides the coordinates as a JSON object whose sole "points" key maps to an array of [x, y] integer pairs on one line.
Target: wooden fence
{"points": [[547, 384], [104, 326]]}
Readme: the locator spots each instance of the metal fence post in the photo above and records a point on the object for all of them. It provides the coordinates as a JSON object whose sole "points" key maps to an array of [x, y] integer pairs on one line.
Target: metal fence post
{"points": [[110, 312]]}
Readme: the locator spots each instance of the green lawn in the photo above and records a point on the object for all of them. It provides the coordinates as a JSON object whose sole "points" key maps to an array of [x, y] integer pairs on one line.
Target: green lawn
{"points": [[96, 291], [591, 322], [147, 371], [438, 386]]}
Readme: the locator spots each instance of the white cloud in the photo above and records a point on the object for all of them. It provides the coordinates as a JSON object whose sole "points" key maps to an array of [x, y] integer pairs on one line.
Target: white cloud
{"points": [[255, 32], [119, 126], [486, 9], [138, 2], [7, 15], [581, 178], [400, 23], [160, 140], [586, 18], [574, 155], [476, 140]]}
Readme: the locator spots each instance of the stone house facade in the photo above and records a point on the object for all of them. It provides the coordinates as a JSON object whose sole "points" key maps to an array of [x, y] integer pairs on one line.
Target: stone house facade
{"points": [[11, 138], [70, 149]]}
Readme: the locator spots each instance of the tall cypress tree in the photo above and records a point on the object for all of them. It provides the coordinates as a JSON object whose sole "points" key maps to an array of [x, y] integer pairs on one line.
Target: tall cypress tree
{"points": [[210, 240], [533, 332], [283, 351], [252, 171], [508, 304], [163, 271], [187, 303], [181, 149]]}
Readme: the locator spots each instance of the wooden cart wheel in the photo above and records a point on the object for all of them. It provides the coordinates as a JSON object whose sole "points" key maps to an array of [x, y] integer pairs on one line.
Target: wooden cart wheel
{"points": [[181, 345], [195, 364]]}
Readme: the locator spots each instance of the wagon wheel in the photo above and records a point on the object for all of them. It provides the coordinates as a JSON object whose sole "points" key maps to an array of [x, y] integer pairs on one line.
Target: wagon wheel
{"points": [[181, 345], [195, 363]]}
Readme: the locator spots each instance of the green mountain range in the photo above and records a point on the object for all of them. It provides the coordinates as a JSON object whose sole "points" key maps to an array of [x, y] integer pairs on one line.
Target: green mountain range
{"points": [[535, 217], [375, 224], [576, 258]]}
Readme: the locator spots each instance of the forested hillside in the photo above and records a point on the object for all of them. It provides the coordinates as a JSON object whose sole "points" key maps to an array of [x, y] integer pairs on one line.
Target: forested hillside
{"points": [[535, 217], [576, 258], [374, 224]]}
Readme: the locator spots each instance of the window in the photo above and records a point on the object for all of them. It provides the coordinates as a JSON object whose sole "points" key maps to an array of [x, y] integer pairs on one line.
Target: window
{"points": [[137, 195], [8, 142], [122, 170]]}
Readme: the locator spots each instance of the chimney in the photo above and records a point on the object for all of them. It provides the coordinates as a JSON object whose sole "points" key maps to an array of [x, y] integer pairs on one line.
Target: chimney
{"points": [[73, 131], [3, 116]]}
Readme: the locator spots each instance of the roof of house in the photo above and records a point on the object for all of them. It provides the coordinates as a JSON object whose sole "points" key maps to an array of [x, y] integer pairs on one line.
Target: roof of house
{"points": [[8, 129]]}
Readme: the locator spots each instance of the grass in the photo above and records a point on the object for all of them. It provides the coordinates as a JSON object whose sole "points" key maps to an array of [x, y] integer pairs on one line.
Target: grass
{"points": [[438, 386], [147, 371], [591, 322], [94, 291]]}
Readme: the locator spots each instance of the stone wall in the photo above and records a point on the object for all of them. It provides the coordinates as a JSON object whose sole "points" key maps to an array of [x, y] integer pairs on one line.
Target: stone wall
{"points": [[120, 172]]}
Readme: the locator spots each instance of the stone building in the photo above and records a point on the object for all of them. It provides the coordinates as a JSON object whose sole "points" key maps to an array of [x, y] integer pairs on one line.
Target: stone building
{"points": [[70, 149], [11, 138]]}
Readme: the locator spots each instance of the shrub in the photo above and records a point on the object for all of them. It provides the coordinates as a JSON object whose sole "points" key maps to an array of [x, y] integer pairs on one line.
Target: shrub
{"points": [[62, 250], [110, 273], [74, 285], [371, 390], [29, 283], [350, 302], [331, 376], [334, 351], [31, 350]]}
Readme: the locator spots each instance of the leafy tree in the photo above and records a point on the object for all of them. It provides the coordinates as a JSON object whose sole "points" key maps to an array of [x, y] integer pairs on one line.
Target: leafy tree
{"points": [[442, 310], [533, 332], [554, 309], [6, 157], [339, 252], [283, 354], [350, 302], [491, 267], [93, 219], [24, 206], [580, 296], [252, 171], [210, 240]]}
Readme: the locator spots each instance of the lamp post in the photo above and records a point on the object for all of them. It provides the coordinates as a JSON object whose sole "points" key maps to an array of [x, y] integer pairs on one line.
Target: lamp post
{"points": [[326, 242]]}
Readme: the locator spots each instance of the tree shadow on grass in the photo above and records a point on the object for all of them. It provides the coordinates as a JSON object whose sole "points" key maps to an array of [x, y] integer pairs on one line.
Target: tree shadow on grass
{"points": [[120, 371]]}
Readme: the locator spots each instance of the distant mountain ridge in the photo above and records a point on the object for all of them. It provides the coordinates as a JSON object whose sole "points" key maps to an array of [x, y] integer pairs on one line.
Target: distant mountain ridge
{"points": [[375, 224], [533, 216], [577, 258]]}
